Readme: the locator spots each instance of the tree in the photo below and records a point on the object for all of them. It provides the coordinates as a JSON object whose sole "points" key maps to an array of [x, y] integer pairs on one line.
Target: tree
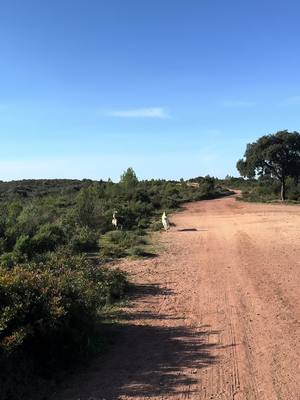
{"points": [[276, 155], [85, 206], [129, 178]]}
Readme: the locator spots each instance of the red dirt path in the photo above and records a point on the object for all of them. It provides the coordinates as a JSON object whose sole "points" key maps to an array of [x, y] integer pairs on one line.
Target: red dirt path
{"points": [[214, 316]]}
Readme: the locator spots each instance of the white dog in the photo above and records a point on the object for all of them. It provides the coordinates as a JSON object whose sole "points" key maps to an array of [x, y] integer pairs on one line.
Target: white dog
{"points": [[114, 220], [165, 221]]}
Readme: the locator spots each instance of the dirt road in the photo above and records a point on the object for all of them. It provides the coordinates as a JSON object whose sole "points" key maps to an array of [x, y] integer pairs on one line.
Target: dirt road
{"points": [[215, 316]]}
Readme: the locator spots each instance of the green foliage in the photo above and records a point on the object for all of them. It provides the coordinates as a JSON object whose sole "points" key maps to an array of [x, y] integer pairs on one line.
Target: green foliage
{"points": [[2, 245], [155, 226], [276, 156], [24, 246], [138, 252], [208, 185], [49, 313], [268, 190], [129, 178], [13, 211], [293, 190], [48, 237], [84, 239], [30, 218], [8, 260], [118, 244], [30, 188], [85, 206], [35, 225]]}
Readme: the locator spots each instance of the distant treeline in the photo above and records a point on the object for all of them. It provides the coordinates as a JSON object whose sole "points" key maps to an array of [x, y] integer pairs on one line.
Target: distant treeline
{"points": [[28, 188]]}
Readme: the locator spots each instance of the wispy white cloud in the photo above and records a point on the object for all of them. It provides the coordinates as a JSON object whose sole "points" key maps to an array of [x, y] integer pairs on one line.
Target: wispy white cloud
{"points": [[290, 101], [238, 103], [147, 112]]}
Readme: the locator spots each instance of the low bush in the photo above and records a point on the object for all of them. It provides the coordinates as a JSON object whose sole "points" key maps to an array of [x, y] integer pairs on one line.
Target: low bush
{"points": [[139, 251], [84, 240], [118, 244], [8, 260], [24, 246], [48, 237], [49, 313], [155, 226], [2, 246]]}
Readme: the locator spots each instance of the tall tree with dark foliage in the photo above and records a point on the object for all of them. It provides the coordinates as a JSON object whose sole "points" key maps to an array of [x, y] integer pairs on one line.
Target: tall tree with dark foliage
{"points": [[276, 155]]}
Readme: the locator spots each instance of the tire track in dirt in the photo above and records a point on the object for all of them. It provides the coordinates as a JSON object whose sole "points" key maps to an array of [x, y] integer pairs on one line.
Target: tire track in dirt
{"points": [[287, 326], [214, 317]]}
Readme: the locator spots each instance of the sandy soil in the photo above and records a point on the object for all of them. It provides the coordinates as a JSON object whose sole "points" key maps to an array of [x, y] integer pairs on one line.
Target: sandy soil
{"points": [[215, 316]]}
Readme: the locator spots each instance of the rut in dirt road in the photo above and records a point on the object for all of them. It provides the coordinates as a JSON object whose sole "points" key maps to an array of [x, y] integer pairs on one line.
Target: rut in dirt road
{"points": [[214, 316]]}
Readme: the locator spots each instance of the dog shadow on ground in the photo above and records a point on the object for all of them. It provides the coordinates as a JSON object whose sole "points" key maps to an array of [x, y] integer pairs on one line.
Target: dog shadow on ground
{"points": [[191, 230]]}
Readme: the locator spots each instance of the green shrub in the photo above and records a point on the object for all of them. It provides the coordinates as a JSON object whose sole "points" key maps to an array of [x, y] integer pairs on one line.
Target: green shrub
{"points": [[48, 237], [30, 218], [117, 244], [155, 226], [2, 245], [56, 304], [8, 260], [294, 194], [137, 251], [84, 240], [85, 206], [24, 246], [50, 312], [11, 235]]}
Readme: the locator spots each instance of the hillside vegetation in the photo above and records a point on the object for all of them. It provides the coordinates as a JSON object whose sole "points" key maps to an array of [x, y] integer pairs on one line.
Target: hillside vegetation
{"points": [[53, 296]]}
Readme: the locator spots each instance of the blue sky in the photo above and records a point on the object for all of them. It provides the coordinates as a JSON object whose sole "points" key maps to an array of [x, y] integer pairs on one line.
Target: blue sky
{"points": [[173, 88]]}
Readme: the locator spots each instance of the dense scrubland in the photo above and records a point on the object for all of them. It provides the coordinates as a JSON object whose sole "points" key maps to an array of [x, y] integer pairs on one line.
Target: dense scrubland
{"points": [[55, 286]]}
